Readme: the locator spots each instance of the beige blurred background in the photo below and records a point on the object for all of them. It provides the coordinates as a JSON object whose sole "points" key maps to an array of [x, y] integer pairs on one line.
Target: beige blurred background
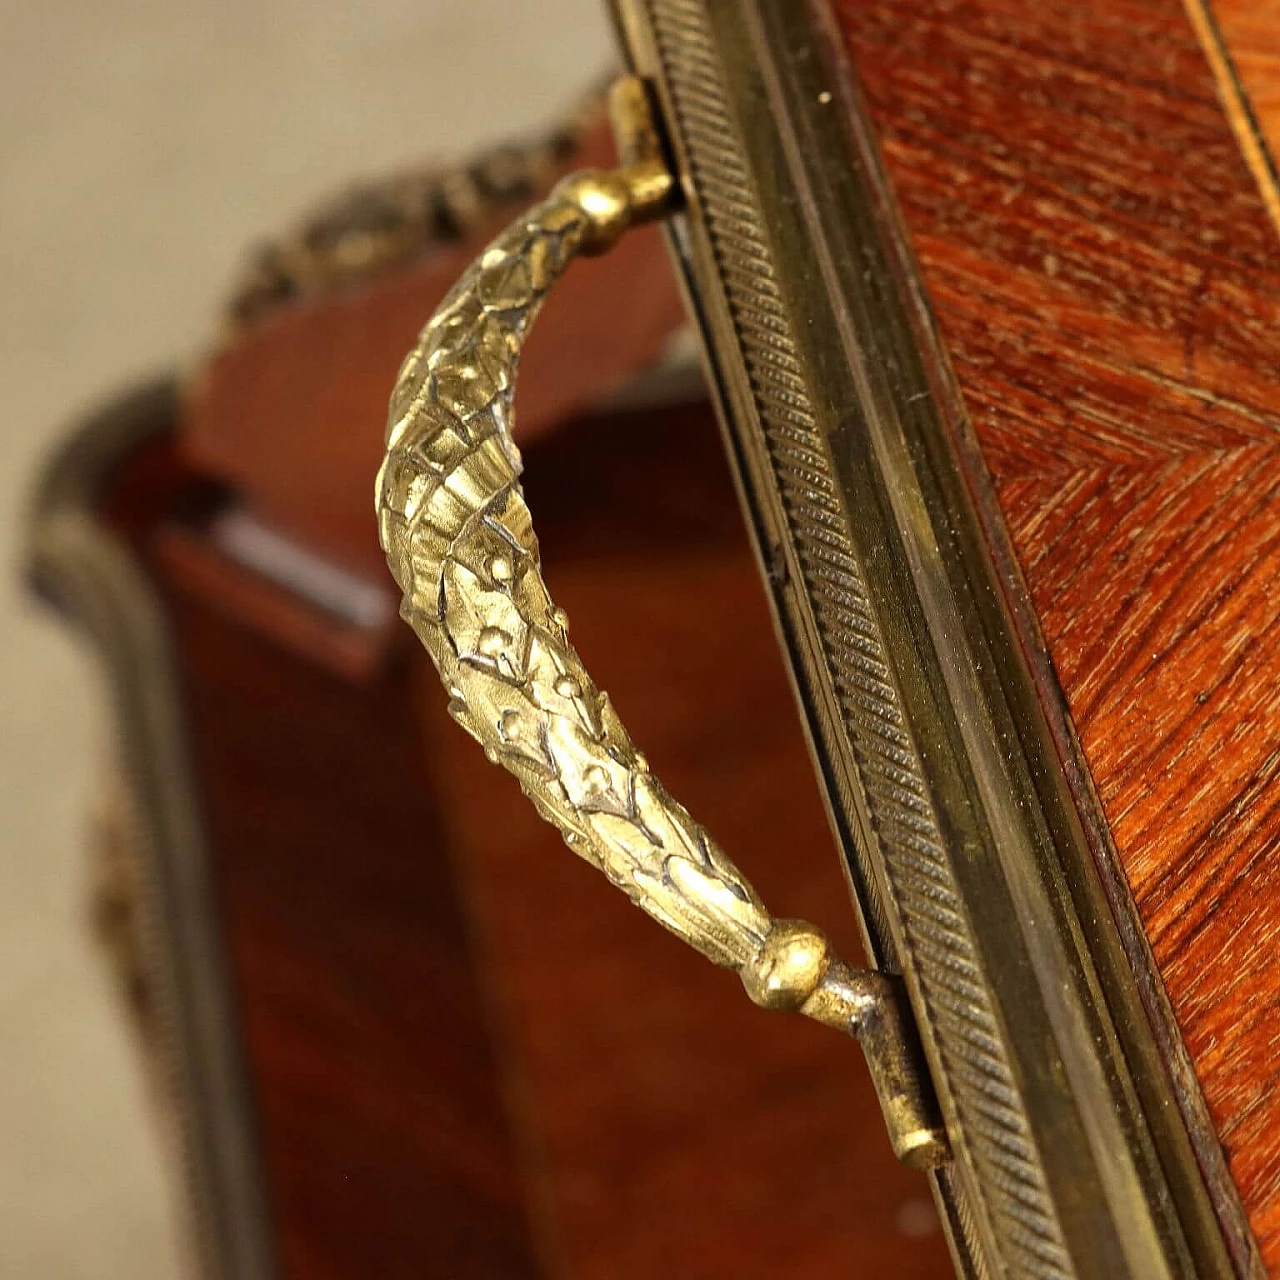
{"points": [[144, 144]]}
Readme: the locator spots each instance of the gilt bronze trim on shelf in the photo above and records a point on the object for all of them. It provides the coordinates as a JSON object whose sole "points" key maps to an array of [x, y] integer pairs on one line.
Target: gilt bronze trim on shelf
{"points": [[1075, 1152], [77, 562]]}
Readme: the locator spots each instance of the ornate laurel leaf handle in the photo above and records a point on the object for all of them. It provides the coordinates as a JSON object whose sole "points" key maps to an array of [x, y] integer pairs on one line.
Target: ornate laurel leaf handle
{"points": [[460, 543]]}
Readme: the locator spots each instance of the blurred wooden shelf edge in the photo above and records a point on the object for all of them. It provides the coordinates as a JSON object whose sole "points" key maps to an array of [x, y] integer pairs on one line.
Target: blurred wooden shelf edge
{"points": [[385, 1066]]}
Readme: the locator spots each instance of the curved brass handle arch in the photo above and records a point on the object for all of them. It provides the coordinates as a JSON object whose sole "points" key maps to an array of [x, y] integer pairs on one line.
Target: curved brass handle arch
{"points": [[460, 544]]}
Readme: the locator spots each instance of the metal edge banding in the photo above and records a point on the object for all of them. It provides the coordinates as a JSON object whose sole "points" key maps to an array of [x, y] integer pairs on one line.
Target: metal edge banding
{"points": [[782, 374], [843, 701], [846, 657], [79, 565], [890, 776], [768, 525]]}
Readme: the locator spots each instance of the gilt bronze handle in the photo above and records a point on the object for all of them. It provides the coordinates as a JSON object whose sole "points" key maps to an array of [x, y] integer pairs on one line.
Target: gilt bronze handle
{"points": [[460, 543]]}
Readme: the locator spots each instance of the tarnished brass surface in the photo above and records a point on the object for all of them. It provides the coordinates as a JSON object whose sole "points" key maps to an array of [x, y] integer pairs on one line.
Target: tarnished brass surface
{"points": [[460, 543]]}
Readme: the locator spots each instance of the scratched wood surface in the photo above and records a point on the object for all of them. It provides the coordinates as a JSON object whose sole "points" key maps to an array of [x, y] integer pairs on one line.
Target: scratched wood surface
{"points": [[1104, 273]]}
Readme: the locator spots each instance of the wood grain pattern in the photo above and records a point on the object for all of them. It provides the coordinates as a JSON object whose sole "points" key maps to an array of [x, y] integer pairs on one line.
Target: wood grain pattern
{"points": [[1108, 284]]}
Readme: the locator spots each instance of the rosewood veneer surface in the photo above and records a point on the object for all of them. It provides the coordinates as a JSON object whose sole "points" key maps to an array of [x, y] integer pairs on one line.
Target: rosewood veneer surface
{"points": [[1107, 282]]}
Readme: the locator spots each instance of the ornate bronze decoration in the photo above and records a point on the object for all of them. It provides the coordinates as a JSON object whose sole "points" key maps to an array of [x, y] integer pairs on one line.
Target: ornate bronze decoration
{"points": [[460, 543]]}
